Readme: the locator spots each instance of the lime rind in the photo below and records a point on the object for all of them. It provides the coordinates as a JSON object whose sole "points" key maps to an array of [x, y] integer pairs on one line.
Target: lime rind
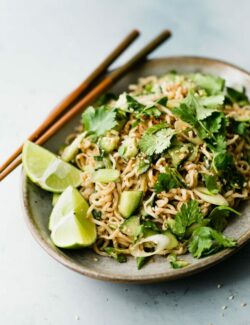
{"points": [[47, 170], [69, 225]]}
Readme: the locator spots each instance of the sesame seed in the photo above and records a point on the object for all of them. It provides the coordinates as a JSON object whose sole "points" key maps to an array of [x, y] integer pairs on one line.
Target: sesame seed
{"points": [[224, 307], [231, 297], [244, 304], [219, 286]]}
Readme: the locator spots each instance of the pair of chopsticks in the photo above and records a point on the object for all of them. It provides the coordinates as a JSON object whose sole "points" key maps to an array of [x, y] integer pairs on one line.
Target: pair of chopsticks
{"points": [[85, 94]]}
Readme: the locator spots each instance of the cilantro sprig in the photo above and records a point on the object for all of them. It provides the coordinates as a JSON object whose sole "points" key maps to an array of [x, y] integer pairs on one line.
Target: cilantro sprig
{"points": [[156, 143], [98, 121]]}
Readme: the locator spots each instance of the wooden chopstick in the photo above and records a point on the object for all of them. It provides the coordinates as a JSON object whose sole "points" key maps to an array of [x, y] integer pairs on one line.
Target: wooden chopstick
{"points": [[103, 86], [76, 93]]}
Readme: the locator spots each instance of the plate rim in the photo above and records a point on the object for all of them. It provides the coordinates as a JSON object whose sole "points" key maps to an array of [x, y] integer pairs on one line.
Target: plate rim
{"points": [[140, 278]]}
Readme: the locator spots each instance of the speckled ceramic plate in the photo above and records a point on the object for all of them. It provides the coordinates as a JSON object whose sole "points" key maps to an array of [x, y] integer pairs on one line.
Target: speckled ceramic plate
{"points": [[37, 203]]}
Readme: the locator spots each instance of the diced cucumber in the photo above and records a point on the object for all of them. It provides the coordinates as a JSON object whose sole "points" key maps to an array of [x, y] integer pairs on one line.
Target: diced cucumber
{"points": [[109, 144], [173, 242], [106, 175], [131, 226], [194, 153], [129, 202], [71, 150], [129, 148], [178, 154]]}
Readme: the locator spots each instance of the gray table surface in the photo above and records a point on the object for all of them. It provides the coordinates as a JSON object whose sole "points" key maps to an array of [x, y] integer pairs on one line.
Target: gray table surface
{"points": [[46, 48]]}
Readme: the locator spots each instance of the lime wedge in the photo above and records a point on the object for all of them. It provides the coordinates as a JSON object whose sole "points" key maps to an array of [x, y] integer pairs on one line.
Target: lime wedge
{"points": [[68, 223], [47, 170]]}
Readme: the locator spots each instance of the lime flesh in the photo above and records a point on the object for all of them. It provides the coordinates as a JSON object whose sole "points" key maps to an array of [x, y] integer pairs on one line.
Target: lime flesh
{"points": [[70, 228], [47, 170]]}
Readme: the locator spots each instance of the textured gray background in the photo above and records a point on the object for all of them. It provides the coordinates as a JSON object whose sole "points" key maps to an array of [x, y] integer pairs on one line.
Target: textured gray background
{"points": [[46, 49]]}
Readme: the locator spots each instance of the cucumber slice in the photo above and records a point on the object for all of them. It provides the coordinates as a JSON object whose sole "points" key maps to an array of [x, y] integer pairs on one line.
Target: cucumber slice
{"points": [[129, 202], [131, 226], [178, 154], [71, 150], [205, 195], [173, 242], [106, 175], [109, 144]]}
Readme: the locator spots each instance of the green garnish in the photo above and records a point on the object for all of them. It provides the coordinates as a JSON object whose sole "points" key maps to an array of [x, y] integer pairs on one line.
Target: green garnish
{"points": [[211, 184], [177, 263], [116, 254], [141, 261], [98, 121], [206, 241], [168, 180], [219, 217], [236, 96], [189, 214], [156, 143]]}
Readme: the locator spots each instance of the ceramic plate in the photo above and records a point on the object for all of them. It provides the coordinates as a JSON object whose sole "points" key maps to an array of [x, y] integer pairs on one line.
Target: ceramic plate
{"points": [[37, 203]]}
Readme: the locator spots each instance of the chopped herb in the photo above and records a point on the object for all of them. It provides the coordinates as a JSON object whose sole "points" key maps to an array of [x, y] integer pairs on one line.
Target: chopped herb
{"points": [[212, 84], [116, 254], [211, 184], [143, 166], [148, 111], [162, 101], [219, 217], [224, 165], [177, 263], [156, 143], [134, 104], [156, 128], [189, 214], [241, 128], [141, 261], [98, 121], [206, 241], [212, 101], [168, 180], [149, 224], [97, 214], [236, 96]]}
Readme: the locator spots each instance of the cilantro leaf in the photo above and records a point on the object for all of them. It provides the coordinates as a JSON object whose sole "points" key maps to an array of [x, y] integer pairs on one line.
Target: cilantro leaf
{"points": [[148, 111], [212, 84], [219, 217], [211, 184], [143, 166], [189, 214], [162, 101], [241, 128], [206, 241], [201, 111], [156, 143], [156, 127], [186, 114], [116, 254], [236, 96], [218, 144], [134, 104], [168, 180], [224, 165], [212, 101], [98, 121]]}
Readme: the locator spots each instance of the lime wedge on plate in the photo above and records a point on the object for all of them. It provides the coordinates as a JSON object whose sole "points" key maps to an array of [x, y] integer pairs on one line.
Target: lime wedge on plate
{"points": [[47, 170], [70, 228]]}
